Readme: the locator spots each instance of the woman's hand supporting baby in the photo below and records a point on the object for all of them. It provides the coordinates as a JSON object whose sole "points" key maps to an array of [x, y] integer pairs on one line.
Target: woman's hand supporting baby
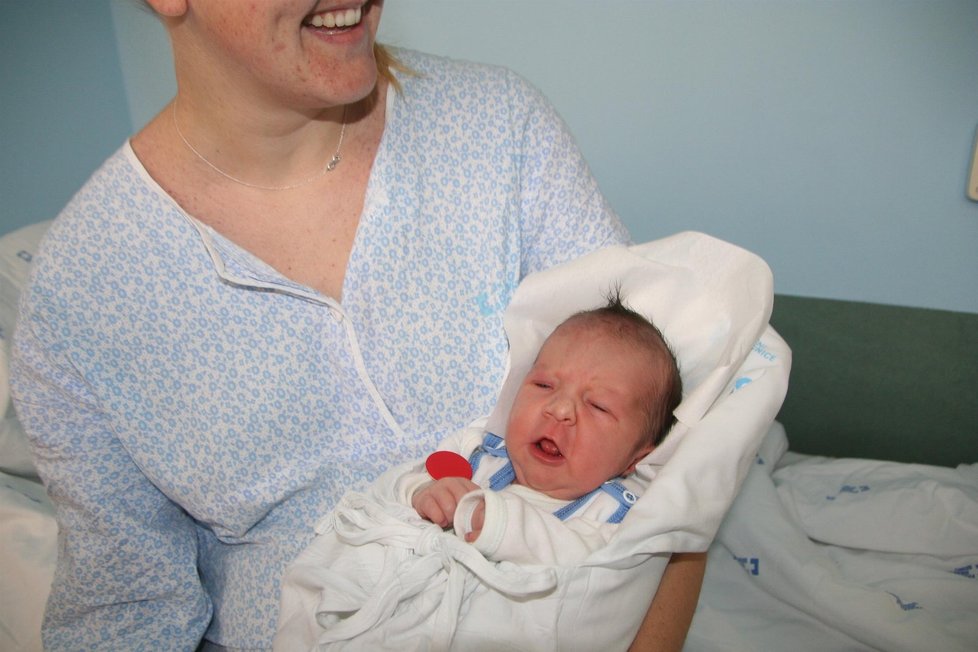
{"points": [[438, 499]]}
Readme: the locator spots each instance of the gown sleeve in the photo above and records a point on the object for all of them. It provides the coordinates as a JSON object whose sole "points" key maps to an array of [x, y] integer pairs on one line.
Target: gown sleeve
{"points": [[127, 571]]}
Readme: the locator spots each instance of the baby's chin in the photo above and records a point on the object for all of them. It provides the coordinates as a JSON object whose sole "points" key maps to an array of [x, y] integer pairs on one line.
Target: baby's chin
{"points": [[549, 484]]}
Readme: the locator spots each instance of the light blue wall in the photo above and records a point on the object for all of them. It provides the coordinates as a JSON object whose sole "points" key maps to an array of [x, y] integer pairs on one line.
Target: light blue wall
{"points": [[144, 54], [831, 137], [62, 103]]}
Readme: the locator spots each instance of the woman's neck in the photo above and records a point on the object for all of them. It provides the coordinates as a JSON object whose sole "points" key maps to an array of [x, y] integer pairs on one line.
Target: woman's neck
{"points": [[261, 148]]}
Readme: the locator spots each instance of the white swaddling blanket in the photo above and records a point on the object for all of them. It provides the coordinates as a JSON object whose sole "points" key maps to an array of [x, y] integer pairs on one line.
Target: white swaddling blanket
{"points": [[379, 577]]}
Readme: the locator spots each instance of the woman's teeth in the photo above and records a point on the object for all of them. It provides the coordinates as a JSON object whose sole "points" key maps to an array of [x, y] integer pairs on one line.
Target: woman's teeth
{"points": [[332, 19]]}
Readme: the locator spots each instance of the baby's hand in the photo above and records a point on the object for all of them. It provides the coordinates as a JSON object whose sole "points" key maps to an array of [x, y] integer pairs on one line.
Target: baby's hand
{"points": [[436, 501]]}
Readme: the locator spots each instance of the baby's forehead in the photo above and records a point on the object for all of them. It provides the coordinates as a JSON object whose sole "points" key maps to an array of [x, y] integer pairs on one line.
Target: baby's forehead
{"points": [[627, 333], [580, 334], [647, 349]]}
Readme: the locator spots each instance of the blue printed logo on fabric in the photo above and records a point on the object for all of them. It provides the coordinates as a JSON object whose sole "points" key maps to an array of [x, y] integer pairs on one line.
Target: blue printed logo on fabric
{"points": [[906, 606], [487, 308], [970, 572], [849, 489], [761, 350], [751, 564]]}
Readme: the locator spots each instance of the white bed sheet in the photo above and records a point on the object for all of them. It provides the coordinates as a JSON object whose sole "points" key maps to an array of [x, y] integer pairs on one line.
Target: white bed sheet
{"points": [[28, 545], [828, 554]]}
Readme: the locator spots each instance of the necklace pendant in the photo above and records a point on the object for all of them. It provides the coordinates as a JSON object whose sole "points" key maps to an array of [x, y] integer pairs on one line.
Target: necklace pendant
{"points": [[333, 162]]}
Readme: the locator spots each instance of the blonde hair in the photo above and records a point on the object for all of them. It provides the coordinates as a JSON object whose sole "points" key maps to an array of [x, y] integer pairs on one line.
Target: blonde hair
{"points": [[388, 64]]}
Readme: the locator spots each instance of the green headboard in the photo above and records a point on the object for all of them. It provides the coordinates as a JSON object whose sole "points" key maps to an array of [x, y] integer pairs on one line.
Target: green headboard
{"points": [[878, 381]]}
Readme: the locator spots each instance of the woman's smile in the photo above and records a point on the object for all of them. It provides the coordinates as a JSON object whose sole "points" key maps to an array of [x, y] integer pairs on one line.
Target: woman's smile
{"points": [[335, 20]]}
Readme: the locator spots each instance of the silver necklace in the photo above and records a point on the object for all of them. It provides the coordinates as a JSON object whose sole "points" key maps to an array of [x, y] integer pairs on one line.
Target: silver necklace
{"points": [[329, 167]]}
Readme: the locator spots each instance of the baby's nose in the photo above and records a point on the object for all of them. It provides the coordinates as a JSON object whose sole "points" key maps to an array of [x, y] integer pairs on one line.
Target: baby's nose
{"points": [[562, 408]]}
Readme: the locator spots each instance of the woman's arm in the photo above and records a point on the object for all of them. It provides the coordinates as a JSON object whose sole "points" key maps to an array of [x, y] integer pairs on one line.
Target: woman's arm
{"points": [[126, 575], [671, 612], [563, 214]]}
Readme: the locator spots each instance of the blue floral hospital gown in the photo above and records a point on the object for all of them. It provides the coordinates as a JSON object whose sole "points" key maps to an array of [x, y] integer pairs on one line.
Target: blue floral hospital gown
{"points": [[193, 412]]}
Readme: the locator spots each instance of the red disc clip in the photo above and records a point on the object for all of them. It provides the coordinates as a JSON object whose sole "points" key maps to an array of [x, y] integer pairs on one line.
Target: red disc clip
{"points": [[446, 464]]}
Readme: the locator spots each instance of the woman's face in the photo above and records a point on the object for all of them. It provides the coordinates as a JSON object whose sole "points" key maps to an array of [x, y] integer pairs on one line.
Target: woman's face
{"points": [[302, 53]]}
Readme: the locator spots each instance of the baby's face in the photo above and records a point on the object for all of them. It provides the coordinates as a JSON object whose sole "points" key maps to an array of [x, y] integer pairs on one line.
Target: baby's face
{"points": [[580, 415]]}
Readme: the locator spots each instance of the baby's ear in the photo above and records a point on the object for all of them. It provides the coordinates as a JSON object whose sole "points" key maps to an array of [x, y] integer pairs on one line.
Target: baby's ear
{"points": [[639, 456]]}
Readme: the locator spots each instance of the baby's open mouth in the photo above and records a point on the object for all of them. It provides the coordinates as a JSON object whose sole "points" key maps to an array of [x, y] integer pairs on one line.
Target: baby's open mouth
{"points": [[342, 19], [549, 448]]}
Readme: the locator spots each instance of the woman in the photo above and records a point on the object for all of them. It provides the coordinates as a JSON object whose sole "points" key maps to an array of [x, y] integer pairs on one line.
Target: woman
{"points": [[291, 276]]}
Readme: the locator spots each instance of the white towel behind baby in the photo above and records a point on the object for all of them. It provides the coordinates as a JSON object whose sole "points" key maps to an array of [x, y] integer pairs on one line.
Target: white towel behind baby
{"points": [[712, 301]]}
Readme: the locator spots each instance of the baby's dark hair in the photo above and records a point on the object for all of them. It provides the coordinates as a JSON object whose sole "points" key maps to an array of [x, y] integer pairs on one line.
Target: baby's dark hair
{"points": [[666, 388]]}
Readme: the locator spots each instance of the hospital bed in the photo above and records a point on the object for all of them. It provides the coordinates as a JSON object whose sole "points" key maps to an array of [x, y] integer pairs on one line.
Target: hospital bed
{"points": [[856, 527], [864, 534]]}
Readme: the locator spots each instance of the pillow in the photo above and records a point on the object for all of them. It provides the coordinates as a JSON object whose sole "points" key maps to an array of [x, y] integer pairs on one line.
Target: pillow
{"points": [[17, 250], [28, 554]]}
